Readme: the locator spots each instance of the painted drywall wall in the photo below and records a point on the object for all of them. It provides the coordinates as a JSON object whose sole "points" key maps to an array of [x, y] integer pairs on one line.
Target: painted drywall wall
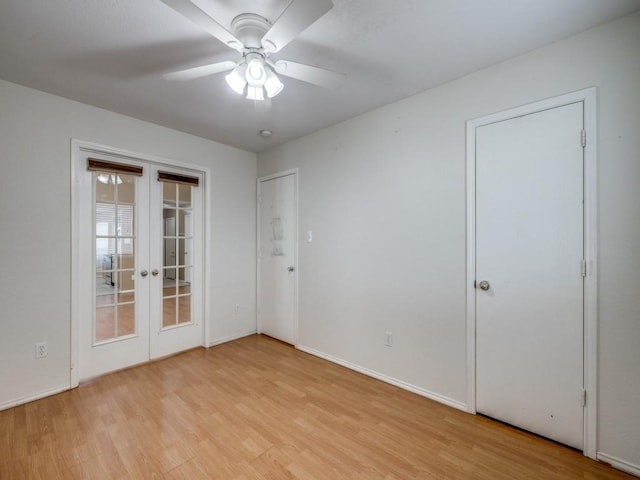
{"points": [[35, 223], [384, 194]]}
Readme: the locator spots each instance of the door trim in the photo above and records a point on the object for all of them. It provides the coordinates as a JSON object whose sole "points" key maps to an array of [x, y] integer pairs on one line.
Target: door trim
{"points": [[590, 341], [77, 170], [284, 173]]}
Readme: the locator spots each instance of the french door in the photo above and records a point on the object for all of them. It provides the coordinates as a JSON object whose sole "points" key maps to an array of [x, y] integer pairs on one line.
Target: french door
{"points": [[140, 254]]}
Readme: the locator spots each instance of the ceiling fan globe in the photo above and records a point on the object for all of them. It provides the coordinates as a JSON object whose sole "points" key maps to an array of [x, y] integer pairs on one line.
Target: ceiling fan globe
{"points": [[255, 93], [237, 78], [272, 85], [256, 75]]}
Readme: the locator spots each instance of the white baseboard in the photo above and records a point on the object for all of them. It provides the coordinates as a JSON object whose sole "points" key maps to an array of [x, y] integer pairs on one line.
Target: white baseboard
{"points": [[230, 338], [619, 464], [36, 396], [393, 381]]}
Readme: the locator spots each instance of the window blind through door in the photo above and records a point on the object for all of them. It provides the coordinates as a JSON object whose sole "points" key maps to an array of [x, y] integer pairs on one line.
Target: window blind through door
{"points": [[97, 165], [178, 178]]}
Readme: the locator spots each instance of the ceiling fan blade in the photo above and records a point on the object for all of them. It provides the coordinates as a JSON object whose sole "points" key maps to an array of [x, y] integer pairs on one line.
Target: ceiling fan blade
{"points": [[299, 15], [307, 73], [203, 20], [197, 72]]}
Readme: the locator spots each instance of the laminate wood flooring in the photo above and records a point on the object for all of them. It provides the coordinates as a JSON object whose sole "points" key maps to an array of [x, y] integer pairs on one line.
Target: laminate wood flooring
{"points": [[256, 409]]}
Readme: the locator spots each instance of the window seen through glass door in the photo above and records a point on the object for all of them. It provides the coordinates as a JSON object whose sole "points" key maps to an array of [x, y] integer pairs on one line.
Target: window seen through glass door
{"points": [[114, 256], [177, 265]]}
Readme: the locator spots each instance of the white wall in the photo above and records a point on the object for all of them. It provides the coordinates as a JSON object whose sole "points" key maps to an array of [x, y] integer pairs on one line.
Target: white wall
{"points": [[35, 225], [384, 194]]}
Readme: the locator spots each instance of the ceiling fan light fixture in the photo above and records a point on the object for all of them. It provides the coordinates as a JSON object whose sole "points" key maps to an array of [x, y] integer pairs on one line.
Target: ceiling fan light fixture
{"points": [[109, 179], [236, 79], [256, 38], [255, 93], [272, 84], [256, 75]]}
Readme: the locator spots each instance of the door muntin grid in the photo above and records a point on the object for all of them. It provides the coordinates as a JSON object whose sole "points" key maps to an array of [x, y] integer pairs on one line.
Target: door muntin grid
{"points": [[177, 242], [114, 315]]}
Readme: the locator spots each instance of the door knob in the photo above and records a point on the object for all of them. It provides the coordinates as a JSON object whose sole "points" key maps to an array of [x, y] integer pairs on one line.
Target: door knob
{"points": [[290, 269], [484, 285], [154, 272], [144, 273]]}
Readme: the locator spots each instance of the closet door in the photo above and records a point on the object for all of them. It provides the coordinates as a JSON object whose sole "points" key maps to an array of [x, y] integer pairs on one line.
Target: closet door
{"points": [[529, 257], [277, 279]]}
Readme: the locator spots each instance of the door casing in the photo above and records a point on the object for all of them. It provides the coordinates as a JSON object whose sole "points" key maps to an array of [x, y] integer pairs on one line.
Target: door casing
{"points": [[294, 173], [79, 148], [588, 97]]}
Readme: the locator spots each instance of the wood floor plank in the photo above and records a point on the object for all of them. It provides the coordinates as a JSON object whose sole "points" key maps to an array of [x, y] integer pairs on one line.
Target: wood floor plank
{"points": [[257, 409]]}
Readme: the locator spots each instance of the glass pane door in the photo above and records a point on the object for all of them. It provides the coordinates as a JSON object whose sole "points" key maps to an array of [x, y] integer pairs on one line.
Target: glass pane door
{"points": [[177, 239], [176, 252], [115, 237], [140, 256], [113, 252]]}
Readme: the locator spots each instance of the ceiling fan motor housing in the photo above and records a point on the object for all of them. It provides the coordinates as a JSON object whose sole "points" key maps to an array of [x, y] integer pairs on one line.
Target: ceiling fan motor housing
{"points": [[249, 28]]}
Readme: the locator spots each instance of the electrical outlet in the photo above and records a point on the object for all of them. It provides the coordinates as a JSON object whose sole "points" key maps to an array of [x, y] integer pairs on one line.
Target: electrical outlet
{"points": [[388, 339], [42, 350], [237, 308]]}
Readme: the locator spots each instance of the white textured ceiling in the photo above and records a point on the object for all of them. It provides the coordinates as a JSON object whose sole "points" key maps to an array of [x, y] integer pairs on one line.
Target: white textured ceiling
{"points": [[112, 54]]}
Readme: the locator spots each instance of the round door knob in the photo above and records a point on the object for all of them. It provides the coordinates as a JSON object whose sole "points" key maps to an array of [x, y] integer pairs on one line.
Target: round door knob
{"points": [[484, 285], [154, 272], [144, 273]]}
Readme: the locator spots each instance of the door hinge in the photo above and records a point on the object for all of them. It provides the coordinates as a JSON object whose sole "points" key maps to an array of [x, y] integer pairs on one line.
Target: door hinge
{"points": [[583, 138], [584, 398], [583, 267]]}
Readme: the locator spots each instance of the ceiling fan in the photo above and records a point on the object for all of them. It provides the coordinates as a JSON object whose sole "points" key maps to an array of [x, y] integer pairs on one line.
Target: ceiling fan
{"points": [[256, 39]]}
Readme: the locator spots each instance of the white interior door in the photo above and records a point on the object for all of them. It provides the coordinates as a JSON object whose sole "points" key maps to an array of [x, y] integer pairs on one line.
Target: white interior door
{"points": [[176, 253], [114, 330], [277, 257], [529, 251], [141, 293]]}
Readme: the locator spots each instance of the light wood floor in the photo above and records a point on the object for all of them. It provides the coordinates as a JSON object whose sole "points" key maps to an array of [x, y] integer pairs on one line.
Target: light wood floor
{"points": [[258, 409]]}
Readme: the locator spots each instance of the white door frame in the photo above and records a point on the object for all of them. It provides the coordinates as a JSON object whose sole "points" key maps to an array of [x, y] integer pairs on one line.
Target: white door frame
{"points": [[78, 168], [590, 340], [284, 173]]}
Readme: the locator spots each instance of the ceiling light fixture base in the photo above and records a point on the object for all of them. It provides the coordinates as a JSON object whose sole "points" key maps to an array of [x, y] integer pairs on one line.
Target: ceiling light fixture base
{"points": [[249, 28]]}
